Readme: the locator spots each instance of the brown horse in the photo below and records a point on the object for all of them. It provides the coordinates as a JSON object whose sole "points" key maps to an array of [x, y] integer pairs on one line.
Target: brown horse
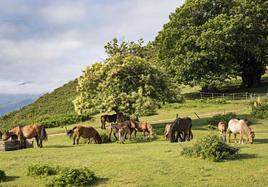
{"points": [[166, 132], [27, 132], [116, 126], [181, 129], [84, 132], [144, 127], [122, 133], [222, 126]]}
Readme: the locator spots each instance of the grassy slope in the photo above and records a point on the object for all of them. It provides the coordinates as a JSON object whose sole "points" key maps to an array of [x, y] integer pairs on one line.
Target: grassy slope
{"points": [[156, 163], [55, 103]]}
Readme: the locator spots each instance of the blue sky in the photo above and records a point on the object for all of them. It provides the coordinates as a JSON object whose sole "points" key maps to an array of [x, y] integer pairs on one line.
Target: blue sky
{"points": [[44, 44]]}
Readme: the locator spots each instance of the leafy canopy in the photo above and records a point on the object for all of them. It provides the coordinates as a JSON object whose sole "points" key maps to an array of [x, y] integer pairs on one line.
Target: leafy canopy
{"points": [[207, 42], [126, 82]]}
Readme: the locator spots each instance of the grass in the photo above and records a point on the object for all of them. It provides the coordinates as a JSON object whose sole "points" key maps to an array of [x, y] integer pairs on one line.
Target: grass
{"points": [[149, 163]]}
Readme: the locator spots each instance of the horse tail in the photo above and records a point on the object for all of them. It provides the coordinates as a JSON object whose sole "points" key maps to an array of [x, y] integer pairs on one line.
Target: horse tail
{"points": [[43, 133], [74, 128], [98, 138]]}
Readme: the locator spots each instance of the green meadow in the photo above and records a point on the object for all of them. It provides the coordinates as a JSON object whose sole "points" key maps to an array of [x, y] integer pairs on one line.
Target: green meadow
{"points": [[141, 162]]}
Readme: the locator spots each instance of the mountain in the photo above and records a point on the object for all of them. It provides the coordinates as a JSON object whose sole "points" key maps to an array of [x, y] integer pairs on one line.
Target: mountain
{"points": [[58, 102], [11, 102]]}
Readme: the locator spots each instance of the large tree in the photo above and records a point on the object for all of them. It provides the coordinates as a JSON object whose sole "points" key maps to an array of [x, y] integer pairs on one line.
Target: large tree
{"points": [[207, 42], [126, 82]]}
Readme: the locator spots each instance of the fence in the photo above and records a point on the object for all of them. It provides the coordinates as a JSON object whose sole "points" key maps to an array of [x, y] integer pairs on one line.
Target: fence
{"points": [[227, 96]]}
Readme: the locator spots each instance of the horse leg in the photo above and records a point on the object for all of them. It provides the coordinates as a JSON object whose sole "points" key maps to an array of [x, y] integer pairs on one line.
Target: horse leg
{"points": [[235, 138], [110, 134], [89, 141], [37, 141], [135, 134], [77, 140], [115, 136], [74, 138], [229, 136]]}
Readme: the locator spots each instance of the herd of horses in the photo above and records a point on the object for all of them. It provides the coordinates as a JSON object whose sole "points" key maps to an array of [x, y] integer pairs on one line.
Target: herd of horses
{"points": [[179, 130]]}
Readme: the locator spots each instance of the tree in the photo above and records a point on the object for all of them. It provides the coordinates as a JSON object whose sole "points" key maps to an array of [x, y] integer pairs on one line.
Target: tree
{"points": [[124, 83], [208, 42]]}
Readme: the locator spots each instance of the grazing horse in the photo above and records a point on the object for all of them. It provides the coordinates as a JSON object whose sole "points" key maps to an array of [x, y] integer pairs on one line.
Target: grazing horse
{"points": [[107, 118], [27, 132], [144, 127], [181, 129], [236, 126], [222, 126], [116, 126], [166, 132], [84, 132]]}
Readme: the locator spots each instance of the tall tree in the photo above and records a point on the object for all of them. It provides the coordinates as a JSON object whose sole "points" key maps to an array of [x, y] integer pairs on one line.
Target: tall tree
{"points": [[207, 42], [124, 83]]}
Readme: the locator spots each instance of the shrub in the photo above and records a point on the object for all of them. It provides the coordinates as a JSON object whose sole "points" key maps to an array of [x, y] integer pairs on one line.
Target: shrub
{"points": [[104, 137], [73, 177], [41, 170], [219, 117], [260, 109], [211, 148], [2, 175]]}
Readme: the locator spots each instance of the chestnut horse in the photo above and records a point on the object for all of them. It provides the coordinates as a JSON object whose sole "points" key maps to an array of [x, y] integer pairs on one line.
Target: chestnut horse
{"points": [[144, 127], [222, 126], [236, 126], [84, 132], [27, 132]]}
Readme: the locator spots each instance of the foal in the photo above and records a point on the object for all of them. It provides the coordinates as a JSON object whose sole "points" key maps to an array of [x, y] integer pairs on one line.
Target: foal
{"points": [[222, 126]]}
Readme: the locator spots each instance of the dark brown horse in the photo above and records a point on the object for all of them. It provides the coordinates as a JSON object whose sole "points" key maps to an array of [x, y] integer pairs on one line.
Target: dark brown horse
{"points": [[107, 118], [181, 129], [84, 132], [27, 132]]}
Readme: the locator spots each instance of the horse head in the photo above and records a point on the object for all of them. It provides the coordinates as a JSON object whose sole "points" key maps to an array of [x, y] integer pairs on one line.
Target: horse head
{"points": [[251, 136], [7, 135], [69, 133]]}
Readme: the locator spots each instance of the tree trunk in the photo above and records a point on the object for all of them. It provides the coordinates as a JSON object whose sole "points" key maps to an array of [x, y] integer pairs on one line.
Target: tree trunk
{"points": [[252, 72]]}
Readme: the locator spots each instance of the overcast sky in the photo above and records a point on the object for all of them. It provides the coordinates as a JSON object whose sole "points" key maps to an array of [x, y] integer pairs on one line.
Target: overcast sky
{"points": [[44, 44]]}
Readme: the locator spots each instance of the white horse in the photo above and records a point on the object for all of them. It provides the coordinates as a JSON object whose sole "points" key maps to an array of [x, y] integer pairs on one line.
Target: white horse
{"points": [[236, 126]]}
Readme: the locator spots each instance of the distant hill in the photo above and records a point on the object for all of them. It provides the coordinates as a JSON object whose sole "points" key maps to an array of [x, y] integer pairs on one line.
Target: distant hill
{"points": [[58, 102], [11, 102]]}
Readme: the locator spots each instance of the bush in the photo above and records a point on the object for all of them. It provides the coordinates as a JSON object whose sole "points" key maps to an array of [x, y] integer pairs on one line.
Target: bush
{"points": [[41, 170], [73, 177], [211, 148], [219, 117], [104, 137], [2, 175], [213, 100], [260, 110]]}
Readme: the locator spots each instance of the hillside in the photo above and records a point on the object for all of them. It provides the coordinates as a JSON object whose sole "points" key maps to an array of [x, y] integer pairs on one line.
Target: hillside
{"points": [[58, 102]]}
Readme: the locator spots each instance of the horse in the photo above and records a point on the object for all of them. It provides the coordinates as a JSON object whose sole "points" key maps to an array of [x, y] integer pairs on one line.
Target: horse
{"points": [[222, 126], [36, 131], [144, 127], [122, 133], [84, 132], [236, 126], [116, 126], [107, 118], [1, 134], [180, 129], [166, 132]]}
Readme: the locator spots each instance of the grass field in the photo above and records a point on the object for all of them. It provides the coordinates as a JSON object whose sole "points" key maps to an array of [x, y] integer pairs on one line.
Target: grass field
{"points": [[150, 163]]}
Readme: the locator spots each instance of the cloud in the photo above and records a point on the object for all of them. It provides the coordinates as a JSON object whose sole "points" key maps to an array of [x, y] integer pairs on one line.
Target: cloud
{"points": [[51, 42]]}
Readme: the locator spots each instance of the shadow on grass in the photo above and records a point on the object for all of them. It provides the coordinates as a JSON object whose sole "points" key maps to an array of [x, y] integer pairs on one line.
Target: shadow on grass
{"points": [[243, 156], [10, 178], [260, 141], [100, 181], [58, 146]]}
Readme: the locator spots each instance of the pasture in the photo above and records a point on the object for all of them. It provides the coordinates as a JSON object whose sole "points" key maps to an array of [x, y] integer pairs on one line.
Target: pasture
{"points": [[149, 163]]}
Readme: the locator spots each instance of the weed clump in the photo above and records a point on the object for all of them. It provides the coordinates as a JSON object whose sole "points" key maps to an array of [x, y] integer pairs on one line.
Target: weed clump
{"points": [[219, 117], [211, 148]]}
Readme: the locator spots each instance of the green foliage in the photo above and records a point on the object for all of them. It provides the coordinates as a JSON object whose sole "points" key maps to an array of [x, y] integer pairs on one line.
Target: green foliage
{"points": [[104, 137], [211, 148], [41, 170], [210, 41], [259, 108], [56, 103], [73, 177], [2, 175], [126, 82], [213, 101], [221, 117]]}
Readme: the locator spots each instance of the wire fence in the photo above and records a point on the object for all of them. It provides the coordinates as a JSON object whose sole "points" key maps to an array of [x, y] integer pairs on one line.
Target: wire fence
{"points": [[227, 96]]}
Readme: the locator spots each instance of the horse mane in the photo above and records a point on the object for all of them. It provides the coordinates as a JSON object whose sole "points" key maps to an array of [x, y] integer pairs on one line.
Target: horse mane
{"points": [[98, 138]]}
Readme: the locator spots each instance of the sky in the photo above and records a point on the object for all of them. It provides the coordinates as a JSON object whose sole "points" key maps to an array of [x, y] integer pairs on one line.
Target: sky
{"points": [[45, 44]]}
